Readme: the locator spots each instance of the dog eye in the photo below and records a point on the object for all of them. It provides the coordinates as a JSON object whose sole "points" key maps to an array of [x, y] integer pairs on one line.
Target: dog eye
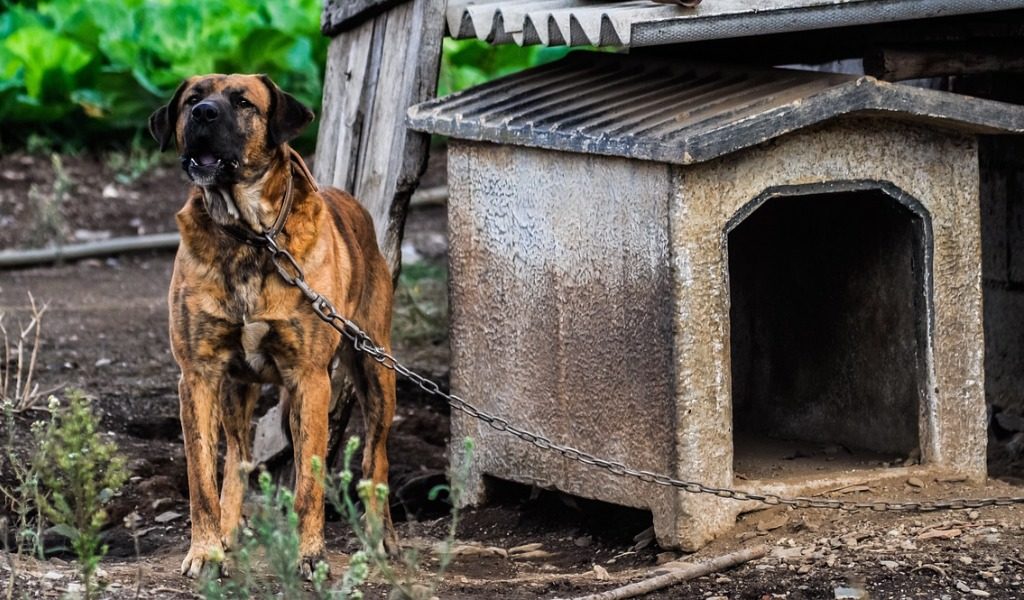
{"points": [[192, 99], [243, 103]]}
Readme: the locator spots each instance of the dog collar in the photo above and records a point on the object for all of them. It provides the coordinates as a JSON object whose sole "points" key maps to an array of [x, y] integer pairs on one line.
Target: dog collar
{"points": [[248, 236]]}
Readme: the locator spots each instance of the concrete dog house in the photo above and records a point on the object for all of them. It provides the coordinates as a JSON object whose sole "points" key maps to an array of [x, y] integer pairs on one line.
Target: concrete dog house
{"points": [[761, 279]]}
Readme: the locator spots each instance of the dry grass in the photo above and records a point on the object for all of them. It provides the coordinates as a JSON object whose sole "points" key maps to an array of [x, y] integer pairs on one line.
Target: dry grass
{"points": [[20, 351]]}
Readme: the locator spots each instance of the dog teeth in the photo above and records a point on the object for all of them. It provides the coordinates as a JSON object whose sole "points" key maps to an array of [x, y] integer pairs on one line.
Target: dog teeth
{"points": [[193, 161]]}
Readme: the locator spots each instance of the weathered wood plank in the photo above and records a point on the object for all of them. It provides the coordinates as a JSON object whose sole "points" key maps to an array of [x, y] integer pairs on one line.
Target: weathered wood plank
{"points": [[376, 72], [341, 15], [376, 69]]}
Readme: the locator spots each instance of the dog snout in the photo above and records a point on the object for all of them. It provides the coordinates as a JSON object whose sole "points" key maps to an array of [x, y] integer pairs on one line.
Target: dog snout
{"points": [[206, 112]]}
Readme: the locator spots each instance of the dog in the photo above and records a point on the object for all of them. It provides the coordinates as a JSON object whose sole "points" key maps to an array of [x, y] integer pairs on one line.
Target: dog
{"points": [[235, 323]]}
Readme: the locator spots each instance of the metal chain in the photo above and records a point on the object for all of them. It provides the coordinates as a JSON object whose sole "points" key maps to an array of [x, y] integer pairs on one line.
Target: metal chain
{"points": [[291, 272]]}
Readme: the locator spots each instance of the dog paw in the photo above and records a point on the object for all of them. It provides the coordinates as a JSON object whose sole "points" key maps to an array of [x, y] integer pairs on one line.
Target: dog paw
{"points": [[200, 558], [308, 566], [391, 545]]}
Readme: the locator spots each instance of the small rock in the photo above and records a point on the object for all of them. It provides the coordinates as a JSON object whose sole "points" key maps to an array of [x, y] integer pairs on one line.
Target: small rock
{"points": [[474, 550], [889, 564], [525, 548], [110, 191], [771, 523], [804, 569], [53, 576], [963, 587], [915, 482], [850, 593], [583, 542], [973, 515], [167, 516], [103, 362], [160, 502], [788, 554], [980, 593], [665, 557], [943, 534], [600, 573], [967, 560], [533, 555]]}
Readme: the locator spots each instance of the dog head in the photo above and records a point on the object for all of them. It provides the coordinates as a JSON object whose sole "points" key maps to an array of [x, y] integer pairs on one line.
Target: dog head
{"points": [[228, 127]]}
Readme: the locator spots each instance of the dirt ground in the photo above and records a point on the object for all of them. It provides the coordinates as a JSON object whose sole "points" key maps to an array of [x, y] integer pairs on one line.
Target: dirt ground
{"points": [[105, 333]]}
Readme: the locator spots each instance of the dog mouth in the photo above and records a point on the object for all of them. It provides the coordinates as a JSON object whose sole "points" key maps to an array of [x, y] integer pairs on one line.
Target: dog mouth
{"points": [[206, 168]]}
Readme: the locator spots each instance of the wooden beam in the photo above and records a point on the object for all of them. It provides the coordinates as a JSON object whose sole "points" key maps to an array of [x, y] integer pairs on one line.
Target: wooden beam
{"points": [[376, 69], [341, 15], [910, 62], [375, 72]]}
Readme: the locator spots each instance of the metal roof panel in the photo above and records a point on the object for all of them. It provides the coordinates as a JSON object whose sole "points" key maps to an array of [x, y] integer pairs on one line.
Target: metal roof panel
{"points": [[647, 23], [683, 113]]}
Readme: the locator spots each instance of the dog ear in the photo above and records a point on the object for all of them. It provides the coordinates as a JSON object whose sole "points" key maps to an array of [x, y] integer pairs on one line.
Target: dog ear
{"points": [[164, 119], [287, 116]]}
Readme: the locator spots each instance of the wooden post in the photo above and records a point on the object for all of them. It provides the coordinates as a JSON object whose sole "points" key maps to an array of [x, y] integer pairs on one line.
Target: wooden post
{"points": [[383, 58], [376, 69]]}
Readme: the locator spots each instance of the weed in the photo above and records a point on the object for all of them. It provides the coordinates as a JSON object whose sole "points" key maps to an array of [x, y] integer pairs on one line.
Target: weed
{"points": [[79, 473], [48, 226], [421, 304], [21, 499], [19, 389], [272, 532], [128, 165]]}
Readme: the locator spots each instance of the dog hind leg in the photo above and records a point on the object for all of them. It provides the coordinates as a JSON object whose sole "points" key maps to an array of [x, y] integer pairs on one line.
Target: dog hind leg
{"points": [[377, 397], [308, 419]]}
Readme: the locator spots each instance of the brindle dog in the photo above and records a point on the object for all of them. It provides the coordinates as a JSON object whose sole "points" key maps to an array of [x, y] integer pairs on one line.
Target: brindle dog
{"points": [[236, 324]]}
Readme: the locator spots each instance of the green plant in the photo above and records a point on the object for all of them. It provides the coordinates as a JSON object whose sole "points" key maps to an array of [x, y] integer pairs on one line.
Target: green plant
{"points": [[421, 303], [19, 501], [78, 473], [401, 576], [272, 533], [48, 222], [135, 161], [94, 70]]}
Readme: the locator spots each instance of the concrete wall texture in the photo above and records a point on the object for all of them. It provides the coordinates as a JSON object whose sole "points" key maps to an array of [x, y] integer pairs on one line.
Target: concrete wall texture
{"points": [[591, 303]]}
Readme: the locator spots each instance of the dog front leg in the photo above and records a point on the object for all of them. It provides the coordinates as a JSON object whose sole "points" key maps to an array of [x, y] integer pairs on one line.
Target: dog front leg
{"points": [[236, 416], [311, 398], [199, 423]]}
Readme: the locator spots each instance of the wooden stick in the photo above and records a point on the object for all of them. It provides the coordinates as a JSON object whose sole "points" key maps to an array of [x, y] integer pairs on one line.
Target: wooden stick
{"points": [[721, 563]]}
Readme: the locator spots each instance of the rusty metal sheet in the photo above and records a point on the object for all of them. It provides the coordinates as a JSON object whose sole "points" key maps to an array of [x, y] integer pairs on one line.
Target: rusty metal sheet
{"points": [[649, 22], [617, 105]]}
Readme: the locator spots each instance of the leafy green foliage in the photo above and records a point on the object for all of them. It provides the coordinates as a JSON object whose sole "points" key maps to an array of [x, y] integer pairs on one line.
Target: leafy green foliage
{"points": [[79, 473], [91, 71], [80, 69]]}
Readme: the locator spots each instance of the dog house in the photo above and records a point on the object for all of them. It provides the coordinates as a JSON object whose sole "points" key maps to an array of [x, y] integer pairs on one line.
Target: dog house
{"points": [[755, 278]]}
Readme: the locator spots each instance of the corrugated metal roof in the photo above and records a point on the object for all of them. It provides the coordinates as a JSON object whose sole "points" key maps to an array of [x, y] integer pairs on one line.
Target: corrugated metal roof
{"points": [[646, 23], [624, 106]]}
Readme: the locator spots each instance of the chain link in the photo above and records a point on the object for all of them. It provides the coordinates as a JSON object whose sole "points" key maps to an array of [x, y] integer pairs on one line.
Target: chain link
{"points": [[292, 274]]}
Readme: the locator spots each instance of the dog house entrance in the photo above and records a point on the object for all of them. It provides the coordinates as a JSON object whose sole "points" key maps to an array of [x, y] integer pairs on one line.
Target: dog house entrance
{"points": [[829, 322]]}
